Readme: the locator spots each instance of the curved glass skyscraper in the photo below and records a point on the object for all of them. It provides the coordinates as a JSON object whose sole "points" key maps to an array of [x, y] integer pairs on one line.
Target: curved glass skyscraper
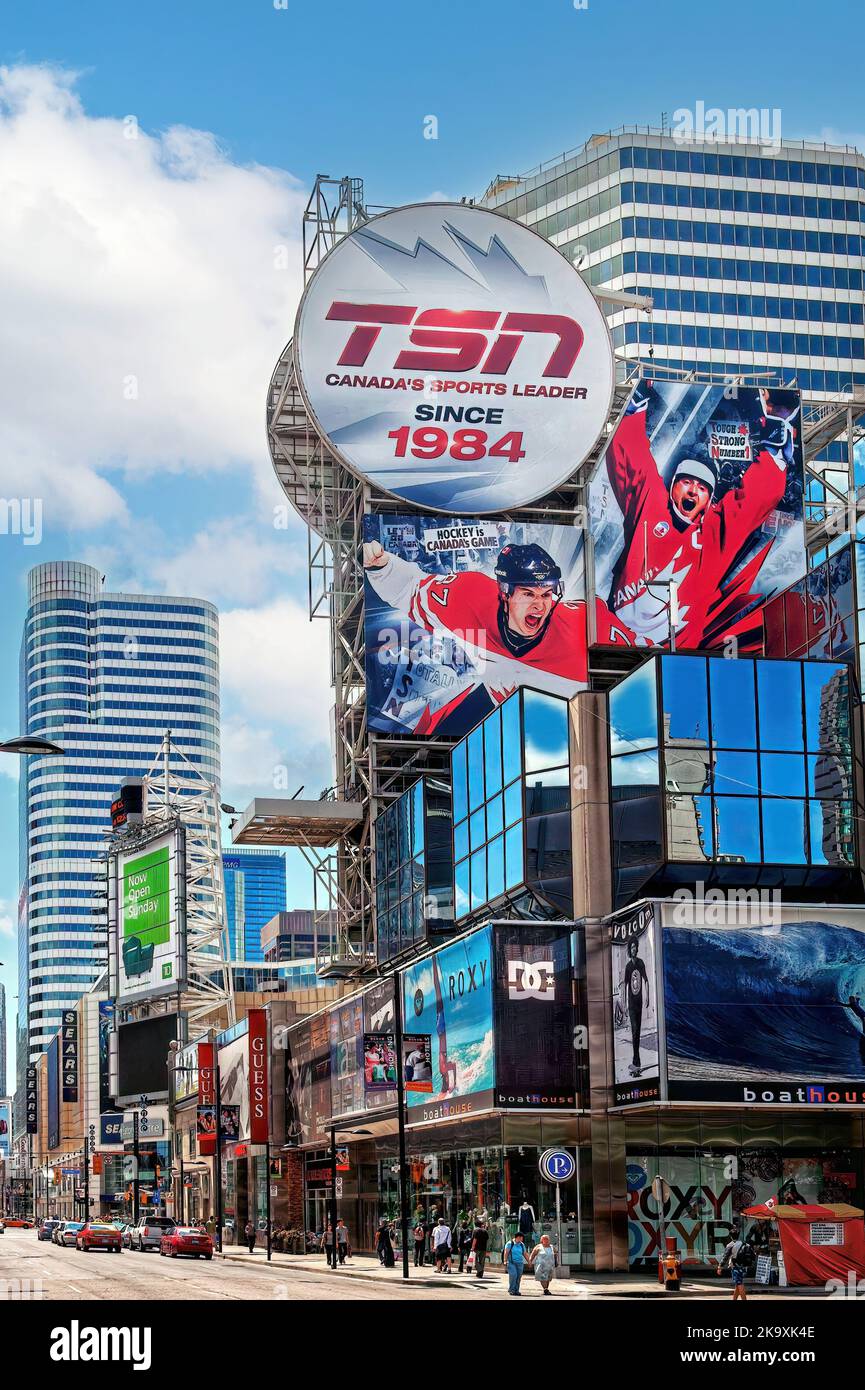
{"points": [[104, 675]]}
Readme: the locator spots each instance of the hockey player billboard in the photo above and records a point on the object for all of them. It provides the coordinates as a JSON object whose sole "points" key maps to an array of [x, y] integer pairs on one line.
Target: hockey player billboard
{"points": [[701, 488], [461, 612], [454, 358]]}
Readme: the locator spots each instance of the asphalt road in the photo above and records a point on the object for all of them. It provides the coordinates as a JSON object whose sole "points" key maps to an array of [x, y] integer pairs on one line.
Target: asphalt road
{"points": [[32, 1268]]}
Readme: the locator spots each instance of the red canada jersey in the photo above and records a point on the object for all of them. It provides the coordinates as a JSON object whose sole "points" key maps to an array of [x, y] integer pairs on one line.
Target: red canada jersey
{"points": [[658, 548]]}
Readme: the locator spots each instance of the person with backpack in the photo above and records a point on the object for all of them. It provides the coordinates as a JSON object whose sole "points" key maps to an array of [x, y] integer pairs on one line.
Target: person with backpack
{"points": [[739, 1258], [419, 1234]]}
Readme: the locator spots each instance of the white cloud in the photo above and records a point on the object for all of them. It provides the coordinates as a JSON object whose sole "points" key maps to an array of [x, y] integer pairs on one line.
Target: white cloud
{"points": [[235, 561], [144, 308], [275, 667], [7, 921]]}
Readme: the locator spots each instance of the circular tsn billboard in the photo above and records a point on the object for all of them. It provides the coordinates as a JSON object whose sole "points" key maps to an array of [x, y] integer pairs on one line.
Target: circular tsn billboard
{"points": [[454, 359]]}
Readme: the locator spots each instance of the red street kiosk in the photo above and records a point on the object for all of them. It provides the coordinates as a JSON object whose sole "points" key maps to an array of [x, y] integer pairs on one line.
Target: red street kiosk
{"points": [[819, 1243]]}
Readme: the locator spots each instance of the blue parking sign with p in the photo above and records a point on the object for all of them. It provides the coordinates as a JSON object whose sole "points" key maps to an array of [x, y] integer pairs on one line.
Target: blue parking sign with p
{"points": [[557, 1165]]}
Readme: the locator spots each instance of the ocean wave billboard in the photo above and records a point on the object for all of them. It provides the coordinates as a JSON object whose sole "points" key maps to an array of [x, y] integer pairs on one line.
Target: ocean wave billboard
{"points": [[701, 488]]}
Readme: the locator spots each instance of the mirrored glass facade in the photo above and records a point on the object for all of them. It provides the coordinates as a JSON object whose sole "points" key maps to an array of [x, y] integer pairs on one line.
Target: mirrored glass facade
{"points": [[511, 791], [413, 869], [741, 770]]}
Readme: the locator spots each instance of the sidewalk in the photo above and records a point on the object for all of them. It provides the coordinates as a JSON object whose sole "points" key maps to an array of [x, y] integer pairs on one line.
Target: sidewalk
{"points": [[587, 1285]]}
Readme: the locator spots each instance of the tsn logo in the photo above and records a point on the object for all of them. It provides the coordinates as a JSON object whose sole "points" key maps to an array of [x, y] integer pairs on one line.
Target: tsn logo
{"points": [[456, 340], [532, 979]]}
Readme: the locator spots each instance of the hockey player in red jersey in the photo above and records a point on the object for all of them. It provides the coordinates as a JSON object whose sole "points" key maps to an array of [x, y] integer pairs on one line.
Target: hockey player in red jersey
{"points": [[517, 628], [680, 533]]}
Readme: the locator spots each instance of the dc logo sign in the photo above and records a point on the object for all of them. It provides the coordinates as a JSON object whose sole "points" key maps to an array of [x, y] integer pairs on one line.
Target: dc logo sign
{"points": [[535, 979]]}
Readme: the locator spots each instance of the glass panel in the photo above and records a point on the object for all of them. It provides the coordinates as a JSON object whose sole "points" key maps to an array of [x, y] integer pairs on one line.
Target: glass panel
{"points": [[684, 698], [479, 878], [779, 689], [496, 867], [405, 879], [492, 727], [458, 768], [461, 840], [461, 885], [418, 872], [782, 774], [826, 706], [689, 828], [417, 819], [737, 827], [405, 927], [390, 827], [417, 918], [784, 832], [831, 824], [635, 769], [829, 775], [511, 738], [404, 828], [495, 811], [477, 829], [633, 711], [513, 803], [546, 730], [735, 773], [514, 856], [476, 767], [731, 687]]}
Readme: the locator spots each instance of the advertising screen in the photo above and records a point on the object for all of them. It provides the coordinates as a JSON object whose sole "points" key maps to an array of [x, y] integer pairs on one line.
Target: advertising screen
{"points": [[454, 358], [234, 1079], [448, 997], [534, 1016], [772, 1013], [379, 1061], [701, 487], [347, 1058], [151, 949], [459, 613], [106, 1028], [379, 1016], [5, 1128], [143, 1056], [635, 1007]]}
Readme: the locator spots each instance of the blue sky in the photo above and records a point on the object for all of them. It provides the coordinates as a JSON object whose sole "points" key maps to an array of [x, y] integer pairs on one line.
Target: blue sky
{"points": [[158, 155]]}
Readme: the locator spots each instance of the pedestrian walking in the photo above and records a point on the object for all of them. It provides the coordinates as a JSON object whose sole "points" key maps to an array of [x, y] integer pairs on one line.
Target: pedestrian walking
{"points": [[543, 1262], [480, 1241], [341, 1240], [464, 1242], [514, 1258], [384, 1246], [441, 1238], [419, 1235], [327, 1244], [739, 1258], [249, 1232]]}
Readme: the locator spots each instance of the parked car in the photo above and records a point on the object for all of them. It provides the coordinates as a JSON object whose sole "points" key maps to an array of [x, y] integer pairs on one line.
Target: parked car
{"points": [[47, 1226], [187, 1240], [148, 1233], [19, 1222], [69, 1232], [125, 1233], [98, 1235], [57, 1232]]}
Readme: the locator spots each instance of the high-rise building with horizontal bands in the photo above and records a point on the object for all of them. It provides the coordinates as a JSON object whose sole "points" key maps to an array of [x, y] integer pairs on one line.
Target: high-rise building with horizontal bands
{"points": [[104, 675]]}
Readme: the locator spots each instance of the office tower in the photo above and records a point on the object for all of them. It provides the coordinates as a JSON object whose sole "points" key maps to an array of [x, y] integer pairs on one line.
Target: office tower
{"points": [[104, 675], [254, 893]]}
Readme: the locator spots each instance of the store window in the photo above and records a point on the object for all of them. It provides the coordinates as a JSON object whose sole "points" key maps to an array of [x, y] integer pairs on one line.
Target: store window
{"points": [[414, 867]]}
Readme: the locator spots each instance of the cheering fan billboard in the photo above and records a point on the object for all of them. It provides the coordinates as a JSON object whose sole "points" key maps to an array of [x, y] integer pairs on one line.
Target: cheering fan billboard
{"points": [[459, 613], [701, 488], [454, 359]]}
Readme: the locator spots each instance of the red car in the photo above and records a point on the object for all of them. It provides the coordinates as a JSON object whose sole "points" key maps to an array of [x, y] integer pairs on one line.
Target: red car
{"points": [[98, 1235], [186, 1240]]}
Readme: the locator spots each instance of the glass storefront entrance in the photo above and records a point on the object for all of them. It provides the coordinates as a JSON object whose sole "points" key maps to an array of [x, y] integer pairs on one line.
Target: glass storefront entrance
{"points": [[716, 1167]]}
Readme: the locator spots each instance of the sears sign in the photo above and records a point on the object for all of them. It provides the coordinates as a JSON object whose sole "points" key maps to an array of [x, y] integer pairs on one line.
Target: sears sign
{"points": [[454, 358]]}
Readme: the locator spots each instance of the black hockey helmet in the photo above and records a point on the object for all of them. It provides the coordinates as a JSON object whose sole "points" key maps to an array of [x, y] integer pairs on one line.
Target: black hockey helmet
{"points": [[528, 565]]}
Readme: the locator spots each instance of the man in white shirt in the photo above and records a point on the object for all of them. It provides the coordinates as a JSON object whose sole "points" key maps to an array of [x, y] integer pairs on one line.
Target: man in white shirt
{"points": [[442, 1246]]}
